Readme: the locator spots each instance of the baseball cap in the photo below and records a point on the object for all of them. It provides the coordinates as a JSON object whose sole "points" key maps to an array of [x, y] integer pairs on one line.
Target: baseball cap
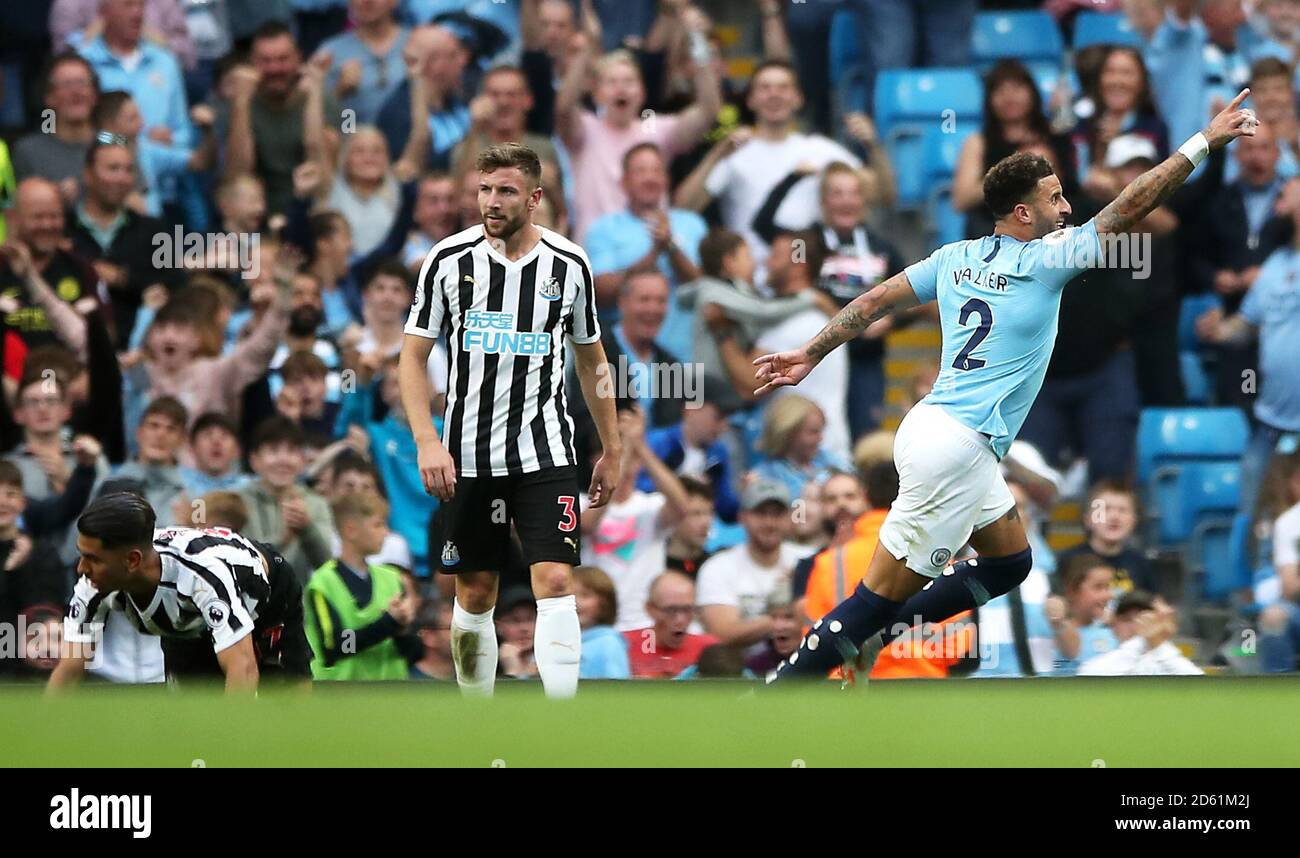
{"points": [[1128, 148], [762, 491]]}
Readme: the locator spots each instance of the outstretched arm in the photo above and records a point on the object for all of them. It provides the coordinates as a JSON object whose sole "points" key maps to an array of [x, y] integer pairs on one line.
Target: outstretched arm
{"points": [[786, 368], [1156, 185]]}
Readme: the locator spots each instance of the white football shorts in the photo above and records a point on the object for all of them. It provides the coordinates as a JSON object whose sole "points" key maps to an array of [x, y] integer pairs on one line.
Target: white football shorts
{"points": [[949, 485]]}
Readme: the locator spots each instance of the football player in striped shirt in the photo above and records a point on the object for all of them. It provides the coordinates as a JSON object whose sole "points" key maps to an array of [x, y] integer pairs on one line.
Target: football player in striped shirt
{"points": [[223, 604], [508, 294]]}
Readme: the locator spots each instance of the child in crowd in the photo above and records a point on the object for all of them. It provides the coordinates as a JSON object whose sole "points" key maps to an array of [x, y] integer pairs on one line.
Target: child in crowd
{"points": [[1078, 618], [604, 652]]}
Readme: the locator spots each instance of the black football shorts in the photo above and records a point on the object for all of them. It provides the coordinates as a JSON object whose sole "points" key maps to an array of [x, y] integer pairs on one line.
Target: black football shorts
{"points": [[472, 530]]}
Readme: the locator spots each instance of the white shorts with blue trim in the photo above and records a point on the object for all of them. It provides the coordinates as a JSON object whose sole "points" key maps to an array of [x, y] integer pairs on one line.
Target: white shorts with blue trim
{"points": [[949, 485]]}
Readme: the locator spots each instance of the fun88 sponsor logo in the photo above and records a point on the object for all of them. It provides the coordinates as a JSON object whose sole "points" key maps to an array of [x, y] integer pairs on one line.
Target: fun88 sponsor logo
{"points": [[494, 333]]}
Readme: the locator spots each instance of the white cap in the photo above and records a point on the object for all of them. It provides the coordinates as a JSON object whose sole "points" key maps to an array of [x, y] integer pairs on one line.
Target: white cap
{"points": [[1129, 147]]}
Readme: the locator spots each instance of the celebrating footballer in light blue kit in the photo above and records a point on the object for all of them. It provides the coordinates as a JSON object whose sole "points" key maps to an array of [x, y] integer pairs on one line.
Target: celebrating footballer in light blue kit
{"points": [[998, 300]]}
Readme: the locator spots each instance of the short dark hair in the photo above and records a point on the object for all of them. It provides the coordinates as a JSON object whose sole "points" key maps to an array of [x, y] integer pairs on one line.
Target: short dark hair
{"points": [[1075, 569], [9, 474], [350, 461], [784, 65], [303, 364], [168, 407], [509, 69], [273, 29], [697, 488], [715, 247], [276, 430], [1010, 181], [118, 519], [504, 155], [644, 146], [108, 106], [881, 480], [213, 420], [1269, 67], [390, 268], [175, 312], [1134, 602], [69, 56]]}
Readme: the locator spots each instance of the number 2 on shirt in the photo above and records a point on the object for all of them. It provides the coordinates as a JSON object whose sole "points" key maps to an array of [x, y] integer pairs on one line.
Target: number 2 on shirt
{"points": [[974, 306]]}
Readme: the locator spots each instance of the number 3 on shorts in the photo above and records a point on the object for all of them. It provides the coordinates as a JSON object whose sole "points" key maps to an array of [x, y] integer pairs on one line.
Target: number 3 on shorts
{"points": [[569, 521]]}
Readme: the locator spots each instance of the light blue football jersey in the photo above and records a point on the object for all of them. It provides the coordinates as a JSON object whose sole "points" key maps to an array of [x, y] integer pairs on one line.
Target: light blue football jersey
{"points": [[998, 303]]}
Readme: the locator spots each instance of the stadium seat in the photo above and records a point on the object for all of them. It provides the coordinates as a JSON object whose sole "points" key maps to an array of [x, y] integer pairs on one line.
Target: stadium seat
{"points": [[1174, 436], [1016, 35], [914, 109], [1046, 75], [1196, 381], [845, 47], [920, 95], [1217, 556], [1192, 308], [1193, 497], [940, 163], [1104, 28]]}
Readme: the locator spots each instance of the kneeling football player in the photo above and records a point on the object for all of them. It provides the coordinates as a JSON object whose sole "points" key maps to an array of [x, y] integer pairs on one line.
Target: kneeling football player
{"points": [[223, 604]]}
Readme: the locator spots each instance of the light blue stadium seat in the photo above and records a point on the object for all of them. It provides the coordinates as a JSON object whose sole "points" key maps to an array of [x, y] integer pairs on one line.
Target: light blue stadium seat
{"points": [[1046, 74], [941, 152], [913, 109], [1196, 381], [1192, 308], [845, 47], [1174, 436], [1017, 35], [1193, 498], [1217, 555], [923, 95], [1104, 28]]}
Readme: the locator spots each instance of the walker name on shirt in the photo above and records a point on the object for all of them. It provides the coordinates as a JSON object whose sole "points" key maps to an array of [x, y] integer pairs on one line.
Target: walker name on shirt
{"points": [[494, 333], [985, 279], [131, 812]]}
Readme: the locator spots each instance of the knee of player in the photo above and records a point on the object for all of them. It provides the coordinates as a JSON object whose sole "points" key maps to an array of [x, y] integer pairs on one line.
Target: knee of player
{"points": [[552, 579], [476, 592]]}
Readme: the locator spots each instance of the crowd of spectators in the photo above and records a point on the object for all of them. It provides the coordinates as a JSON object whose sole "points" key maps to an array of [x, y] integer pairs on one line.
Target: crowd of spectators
{"points": [[215, 212]]}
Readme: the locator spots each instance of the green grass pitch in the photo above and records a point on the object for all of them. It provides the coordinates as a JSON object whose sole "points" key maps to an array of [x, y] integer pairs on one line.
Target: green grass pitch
{"points": [[1222, 721]]}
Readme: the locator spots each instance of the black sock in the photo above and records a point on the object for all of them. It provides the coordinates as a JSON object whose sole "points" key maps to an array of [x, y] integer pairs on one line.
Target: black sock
{"points": [[835, 638], [964, 586]]}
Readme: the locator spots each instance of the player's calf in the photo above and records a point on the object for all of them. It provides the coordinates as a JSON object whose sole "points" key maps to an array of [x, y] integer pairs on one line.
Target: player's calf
{"points": [[962, 586]]}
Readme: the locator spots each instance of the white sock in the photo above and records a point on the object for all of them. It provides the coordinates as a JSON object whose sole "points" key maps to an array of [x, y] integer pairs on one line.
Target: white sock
{"points": [[557, 645], [474, 650]]}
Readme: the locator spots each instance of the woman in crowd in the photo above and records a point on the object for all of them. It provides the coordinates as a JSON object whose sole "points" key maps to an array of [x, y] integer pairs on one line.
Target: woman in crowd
{"points": [[604, 651], [1014, 121], [792, 442], [1121, 103]]}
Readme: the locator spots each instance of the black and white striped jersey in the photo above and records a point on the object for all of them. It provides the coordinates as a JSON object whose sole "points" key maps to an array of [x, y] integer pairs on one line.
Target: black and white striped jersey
{"points": [[213, 580], [505, 323]]}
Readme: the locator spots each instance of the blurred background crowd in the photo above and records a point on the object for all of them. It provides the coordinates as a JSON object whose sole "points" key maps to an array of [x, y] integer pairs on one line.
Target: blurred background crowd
{"points": [[737, 171]]}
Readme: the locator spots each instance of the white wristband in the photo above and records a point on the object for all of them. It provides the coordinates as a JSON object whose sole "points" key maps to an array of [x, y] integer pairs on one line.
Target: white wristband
{"points": [[1196, 148]]}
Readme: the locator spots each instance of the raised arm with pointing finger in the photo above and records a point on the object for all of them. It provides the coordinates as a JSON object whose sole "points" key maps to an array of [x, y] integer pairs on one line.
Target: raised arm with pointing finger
{"points": [[1134, 203]]}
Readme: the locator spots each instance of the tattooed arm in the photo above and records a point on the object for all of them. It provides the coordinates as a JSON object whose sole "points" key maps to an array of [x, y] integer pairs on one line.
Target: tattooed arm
{"points": [[786, 368], [1149, 190]]}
